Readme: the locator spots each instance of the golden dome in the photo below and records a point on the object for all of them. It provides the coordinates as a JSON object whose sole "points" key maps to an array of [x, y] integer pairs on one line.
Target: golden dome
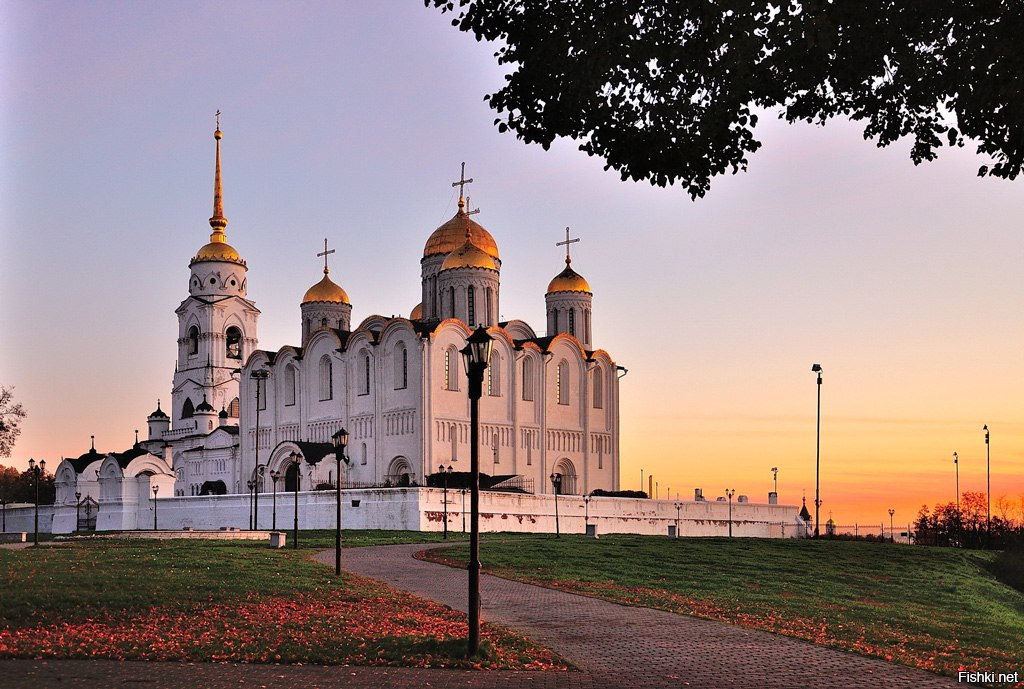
{"points": [[451, 235], [417, 313], [218, 251], [568, 281], [469, 255], [326, 290]]}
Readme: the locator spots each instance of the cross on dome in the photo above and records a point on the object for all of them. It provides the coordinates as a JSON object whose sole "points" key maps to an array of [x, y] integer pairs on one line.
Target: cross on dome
{"points": [[325, 253], [567, 242], [461, 184]]}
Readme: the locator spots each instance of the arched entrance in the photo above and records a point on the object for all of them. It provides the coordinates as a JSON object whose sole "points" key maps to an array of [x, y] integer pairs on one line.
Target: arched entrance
{"points": [[399, 473], [292, 479], [566, 468]]}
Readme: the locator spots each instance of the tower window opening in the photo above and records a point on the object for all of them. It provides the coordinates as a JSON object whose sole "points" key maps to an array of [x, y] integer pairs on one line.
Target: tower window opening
{"points": [[471, 304], [193, 340], [326, 379], [572, 322], [234, 343]]}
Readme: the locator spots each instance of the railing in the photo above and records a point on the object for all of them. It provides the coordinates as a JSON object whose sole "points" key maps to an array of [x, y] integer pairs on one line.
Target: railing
{"points": [[516, 484]]}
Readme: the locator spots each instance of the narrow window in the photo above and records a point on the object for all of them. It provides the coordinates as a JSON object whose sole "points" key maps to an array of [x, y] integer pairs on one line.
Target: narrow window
{"points": [[562, 383], [366, 374], [598, 389], [363, 458], [289, 386], [193, 340], [233, 408], [572, 322], [261, 393], [451, 294], [401, 367], [494, 376], [451, 369], [490, 301], [471, 304], [233, 337], [187, 409], [527, 379], [326, 378]]}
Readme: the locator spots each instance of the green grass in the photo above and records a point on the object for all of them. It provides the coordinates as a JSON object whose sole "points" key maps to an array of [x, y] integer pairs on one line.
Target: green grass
{"points": [[199, 600], [935, 608]]}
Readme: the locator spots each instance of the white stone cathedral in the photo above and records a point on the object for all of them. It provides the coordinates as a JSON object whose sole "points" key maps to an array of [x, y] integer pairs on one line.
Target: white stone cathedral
{"points": [[550, 403]]}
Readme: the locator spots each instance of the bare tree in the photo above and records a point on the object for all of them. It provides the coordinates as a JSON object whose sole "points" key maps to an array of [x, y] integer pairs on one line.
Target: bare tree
{"points": [[11, 414]]}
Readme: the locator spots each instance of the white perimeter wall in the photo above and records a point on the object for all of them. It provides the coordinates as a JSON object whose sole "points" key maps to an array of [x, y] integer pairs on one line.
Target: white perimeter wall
{"points": [[423, 509]]}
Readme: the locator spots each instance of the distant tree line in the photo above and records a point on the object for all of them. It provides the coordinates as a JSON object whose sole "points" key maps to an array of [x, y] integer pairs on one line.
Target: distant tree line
{"points": [[969, 525], [19, 486]]}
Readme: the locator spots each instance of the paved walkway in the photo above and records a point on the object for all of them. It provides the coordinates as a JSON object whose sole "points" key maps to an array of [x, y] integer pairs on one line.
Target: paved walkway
{"points": [[614, 645]]}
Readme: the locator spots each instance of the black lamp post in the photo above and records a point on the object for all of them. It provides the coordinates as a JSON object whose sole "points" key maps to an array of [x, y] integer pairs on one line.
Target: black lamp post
{"points": [[892, 531], [816, 368], [78, 510], [250, 484], [295, 458], [37, 471], [463, 491], [274, 476], [340, 443], [444, 471], [730, 492], [556, 483], [156, 489], [260, 375], [988, 474], [679, 506], [257, 479], [476, 355], [775, 478], [586, 513], [956, 468], [3, 506]]}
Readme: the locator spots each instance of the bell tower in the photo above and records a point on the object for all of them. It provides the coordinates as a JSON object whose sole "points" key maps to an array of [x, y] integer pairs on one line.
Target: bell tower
{"points": [[216, 323]]}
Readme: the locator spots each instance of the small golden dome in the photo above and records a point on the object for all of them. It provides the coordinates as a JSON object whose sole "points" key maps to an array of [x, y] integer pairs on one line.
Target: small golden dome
{"points": [[218, 251], [326, 290], [469, 255], [451, 235], [568, 281], [417, 313]]}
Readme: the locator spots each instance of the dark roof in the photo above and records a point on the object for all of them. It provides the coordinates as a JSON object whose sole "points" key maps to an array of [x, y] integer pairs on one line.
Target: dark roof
{"points": [[804, 514], [314, 452], [82, 461], [542, 342], [159, 413], [205, 406], [125, 458]]}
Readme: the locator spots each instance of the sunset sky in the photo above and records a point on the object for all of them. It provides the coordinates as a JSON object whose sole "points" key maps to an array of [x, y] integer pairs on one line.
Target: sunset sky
{"points": [[349, 121]]}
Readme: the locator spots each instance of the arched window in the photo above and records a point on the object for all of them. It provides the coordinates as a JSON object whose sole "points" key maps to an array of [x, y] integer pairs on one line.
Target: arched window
{"points": [[490, 306], [187, 409], [527, 379], [401, 367], [451, 369], [362, 459], [598, 386], [494, 375], [193, 340], [451, 301], [562, 382], [366, 374], [233, 408], [233, 338], [572, 322], [289, 385], [494, 447], [326, 378], [471, 305]]}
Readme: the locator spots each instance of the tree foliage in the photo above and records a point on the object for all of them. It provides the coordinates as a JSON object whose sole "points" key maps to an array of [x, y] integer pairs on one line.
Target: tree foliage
{"points": [[670, 91], [11, 414], [968, 526], [19, 486]]}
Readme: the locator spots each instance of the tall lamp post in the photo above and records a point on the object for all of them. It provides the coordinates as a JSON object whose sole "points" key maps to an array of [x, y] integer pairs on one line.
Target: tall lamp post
{"points": [[260, 375], [156, 489], [3, 506], [295, 458], [37, 471], [274, 476], [78, 510], [476, 355], [679, 506], [463, 491], [250, 484], [988, 474], [730, 492], [892, 531], [556, 483], [444, 471], [775, 478], [816, 368], [956, 468], [340, 443], [586, 513]]}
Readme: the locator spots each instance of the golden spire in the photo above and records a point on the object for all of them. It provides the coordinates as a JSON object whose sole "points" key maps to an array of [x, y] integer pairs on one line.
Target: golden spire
{"points": [[218, 222]]}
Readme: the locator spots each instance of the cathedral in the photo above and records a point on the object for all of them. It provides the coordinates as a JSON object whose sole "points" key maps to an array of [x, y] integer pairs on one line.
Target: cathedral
{"points": [[237, 413]]}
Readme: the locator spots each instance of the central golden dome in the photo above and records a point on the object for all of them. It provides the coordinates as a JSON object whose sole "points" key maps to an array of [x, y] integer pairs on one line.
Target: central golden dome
{"points": [[326, 290], [451, 235], [469, 255], [568, 281], [218, 251]]}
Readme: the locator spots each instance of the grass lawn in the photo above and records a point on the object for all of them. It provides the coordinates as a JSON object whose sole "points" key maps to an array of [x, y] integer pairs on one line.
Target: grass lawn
{"points": [[934, 608], [223, 601]]}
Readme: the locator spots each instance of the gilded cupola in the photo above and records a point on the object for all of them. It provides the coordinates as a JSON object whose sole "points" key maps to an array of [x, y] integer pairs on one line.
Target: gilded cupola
{"points": [[218, 249]]}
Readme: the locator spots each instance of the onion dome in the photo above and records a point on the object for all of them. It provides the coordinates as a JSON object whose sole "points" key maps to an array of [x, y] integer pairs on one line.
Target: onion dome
{"points": [[223, 413], [568, 281], [204, 407], [469, 255], [218, 249], [450, 236], [159, 413], [326, 291], [417, 313]]}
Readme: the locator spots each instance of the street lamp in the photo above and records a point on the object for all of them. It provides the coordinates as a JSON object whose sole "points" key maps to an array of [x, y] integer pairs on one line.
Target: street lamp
{"points": [[340, 443], [816, 368], [463, 491], [250, 484], [3, 506], [254, 486], [37, 471], [274, 476], [586, 513], [679, 506], [156, 489], [988, 473], [475, 355], [892, 531], [78, 510], [444, 473], [295, 458], [730, 492], [556, 483], [260, 375], [775, 477], [956, 468]]}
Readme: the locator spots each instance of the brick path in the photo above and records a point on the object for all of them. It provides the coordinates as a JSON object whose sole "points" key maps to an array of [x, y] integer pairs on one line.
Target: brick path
{"points": [[614, 645]]}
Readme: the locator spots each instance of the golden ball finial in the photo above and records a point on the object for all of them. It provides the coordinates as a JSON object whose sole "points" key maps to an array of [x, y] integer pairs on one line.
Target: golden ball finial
{"points": [[217, 135]]}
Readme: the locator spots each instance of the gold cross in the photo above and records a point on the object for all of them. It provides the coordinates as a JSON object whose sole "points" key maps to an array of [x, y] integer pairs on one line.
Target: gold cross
{"points": [[468, 206], [218, 119], [325, 253], [567, 242], [461, 184]]}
